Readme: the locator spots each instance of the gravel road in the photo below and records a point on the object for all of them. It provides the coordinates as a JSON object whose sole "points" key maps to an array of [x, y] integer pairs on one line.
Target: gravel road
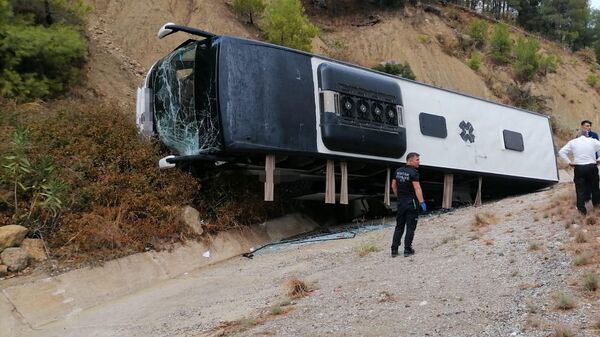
{"points": [[496, 281]]}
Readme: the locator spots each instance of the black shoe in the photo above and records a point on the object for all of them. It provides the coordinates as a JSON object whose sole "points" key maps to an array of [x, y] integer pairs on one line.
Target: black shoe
{"points": [[408, 252], [394, 254]]}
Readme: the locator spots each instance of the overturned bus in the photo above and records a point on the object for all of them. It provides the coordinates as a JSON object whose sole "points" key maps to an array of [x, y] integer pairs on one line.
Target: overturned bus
{"points": [[222, 102]]}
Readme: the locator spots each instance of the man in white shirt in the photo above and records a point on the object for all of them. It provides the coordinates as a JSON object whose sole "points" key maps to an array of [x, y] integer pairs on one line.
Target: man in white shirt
{"points": [[583, 149]]}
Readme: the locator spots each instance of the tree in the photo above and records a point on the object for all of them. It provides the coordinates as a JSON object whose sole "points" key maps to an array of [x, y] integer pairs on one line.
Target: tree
{"points": [[478, 31], [37, 61], [398, 69], [564, 20], [500, 44], [527, 60], [249, 8], [48, 12], [285, 24]]}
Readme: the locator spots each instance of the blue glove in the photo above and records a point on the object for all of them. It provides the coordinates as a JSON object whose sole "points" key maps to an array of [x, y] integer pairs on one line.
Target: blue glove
{"points": [[423, 206]]}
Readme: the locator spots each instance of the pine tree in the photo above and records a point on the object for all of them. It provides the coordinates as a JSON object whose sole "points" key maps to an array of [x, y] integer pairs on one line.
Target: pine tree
{"points": [[500, 44], [249, 9], [285, 24]]}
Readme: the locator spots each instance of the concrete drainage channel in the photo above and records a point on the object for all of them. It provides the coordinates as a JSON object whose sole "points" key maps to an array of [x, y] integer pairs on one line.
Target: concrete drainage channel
{"points": [[38, 300]]}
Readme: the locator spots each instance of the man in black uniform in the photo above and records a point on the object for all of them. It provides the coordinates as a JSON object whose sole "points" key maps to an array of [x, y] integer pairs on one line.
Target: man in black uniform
{"points": [[407, 189]]}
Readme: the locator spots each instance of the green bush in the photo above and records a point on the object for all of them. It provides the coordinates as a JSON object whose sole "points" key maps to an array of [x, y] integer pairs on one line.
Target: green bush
{"points": [[548, 64], [527, 60], [398, 69], [249, 9], [591, 80], [500, 44], [474, 62], [37, 61], [285, 24], [38, 195], [478, 31]]}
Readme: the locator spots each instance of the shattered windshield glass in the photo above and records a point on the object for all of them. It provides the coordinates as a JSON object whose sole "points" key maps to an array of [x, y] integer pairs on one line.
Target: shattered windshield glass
{"points": [[185, 120]]}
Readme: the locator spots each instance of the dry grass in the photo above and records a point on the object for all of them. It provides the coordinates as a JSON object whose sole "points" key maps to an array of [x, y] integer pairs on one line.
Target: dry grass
{"points": [[581, 260], [297, 288], [564, 301], [367, 248], [533, 322], [118, 202], [483, 220], [580, 237], [590, 282], [563, 331]]}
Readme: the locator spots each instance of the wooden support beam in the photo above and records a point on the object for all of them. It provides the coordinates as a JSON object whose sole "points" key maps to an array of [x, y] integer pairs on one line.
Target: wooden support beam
{"points": [[269, 177], [448, 189], [477, 202], [344, 183], [330, 183], [386, 193]]}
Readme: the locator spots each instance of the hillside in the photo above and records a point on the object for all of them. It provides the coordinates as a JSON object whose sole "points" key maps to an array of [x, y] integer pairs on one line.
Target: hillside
{"points": [[120, 54]]}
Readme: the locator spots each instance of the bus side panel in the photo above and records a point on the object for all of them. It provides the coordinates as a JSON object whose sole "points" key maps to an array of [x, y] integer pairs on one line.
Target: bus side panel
{"points": [[265, 98]]}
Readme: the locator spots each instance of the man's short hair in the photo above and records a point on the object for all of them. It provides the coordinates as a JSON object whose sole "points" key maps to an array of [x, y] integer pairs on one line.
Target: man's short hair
{"points": [[585, 121], [412, 155]]}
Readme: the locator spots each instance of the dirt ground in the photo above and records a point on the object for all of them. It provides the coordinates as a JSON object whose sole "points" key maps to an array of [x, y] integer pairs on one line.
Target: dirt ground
{"points": [[498, 280]]}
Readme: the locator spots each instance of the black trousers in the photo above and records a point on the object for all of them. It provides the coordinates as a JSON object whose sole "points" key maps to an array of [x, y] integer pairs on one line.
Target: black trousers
{"points": [[586, 185], [405, 217]]}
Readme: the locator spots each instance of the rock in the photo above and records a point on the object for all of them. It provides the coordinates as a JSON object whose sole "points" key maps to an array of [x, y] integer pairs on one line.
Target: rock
{"points": [[191, 217], [35, 249], [3, 270], [11, 235], [15, 258]]}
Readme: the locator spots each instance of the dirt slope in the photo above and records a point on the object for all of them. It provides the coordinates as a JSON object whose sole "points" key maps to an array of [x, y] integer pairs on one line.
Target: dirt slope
{"points": [[124, 46]]}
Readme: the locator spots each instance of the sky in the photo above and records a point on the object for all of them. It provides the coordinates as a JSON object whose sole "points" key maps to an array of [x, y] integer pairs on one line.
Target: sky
{"points": [[595, 4]]}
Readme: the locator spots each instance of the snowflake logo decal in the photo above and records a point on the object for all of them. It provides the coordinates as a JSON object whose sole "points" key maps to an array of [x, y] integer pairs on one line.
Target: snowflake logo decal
{"points": [[467, 132]]}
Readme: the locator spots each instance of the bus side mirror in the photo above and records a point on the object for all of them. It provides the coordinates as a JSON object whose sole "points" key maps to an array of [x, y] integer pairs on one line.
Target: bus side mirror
{"points": [[164, 30]]}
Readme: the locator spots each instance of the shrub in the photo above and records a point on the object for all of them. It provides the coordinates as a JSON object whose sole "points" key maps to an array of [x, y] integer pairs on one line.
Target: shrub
{"points": [[527, 60], [500, 44], [424, 39], [562, 331], [590, 282], [522, 97], [580, 237], [285, 24], [478, 31], [587, 55], [38, 61], [367, 248], [592, 80], [474, 62], [484, 219], [93, 185], [564, 301], [398, 69], [548, 64], [581, 260], [297, 288], [249, 9], [38, 195]]}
